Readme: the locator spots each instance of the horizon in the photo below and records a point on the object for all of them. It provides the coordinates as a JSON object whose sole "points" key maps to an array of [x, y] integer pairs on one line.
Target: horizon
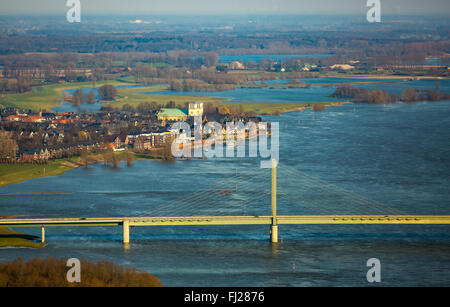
{"points": [[216, 7], [231, 14]]}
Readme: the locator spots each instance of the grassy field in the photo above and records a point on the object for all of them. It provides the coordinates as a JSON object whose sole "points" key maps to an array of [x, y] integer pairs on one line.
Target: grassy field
{"points": [[10, 238], [47, 96], [50, 96], [273, 108], [134, 96], [14, 173]]}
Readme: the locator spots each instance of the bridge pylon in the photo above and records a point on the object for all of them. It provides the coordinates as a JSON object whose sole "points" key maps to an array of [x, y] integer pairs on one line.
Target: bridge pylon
{"points": [[274, 225]]}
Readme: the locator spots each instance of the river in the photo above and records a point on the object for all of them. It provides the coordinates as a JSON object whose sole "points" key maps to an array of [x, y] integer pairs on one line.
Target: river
{"points": [[316, 93], [351, 158]]}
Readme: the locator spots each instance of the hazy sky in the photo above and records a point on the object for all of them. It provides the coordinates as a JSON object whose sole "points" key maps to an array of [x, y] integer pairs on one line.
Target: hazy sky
{"points": [[144, 7]]}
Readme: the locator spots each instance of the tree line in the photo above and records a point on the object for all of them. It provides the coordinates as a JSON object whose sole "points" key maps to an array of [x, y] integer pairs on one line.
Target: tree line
{"points": [[51, 272], [362, 95]]}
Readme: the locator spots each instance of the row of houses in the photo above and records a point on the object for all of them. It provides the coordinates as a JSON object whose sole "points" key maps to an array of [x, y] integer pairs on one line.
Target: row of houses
{"points": [[59, 118], [36, 154], [25, 118], [140, 142], [147, 141]]}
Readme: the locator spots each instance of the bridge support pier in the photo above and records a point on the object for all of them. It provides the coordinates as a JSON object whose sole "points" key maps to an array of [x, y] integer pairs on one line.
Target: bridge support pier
{"points": [[126, 232], [43, 234], [274, 233]]}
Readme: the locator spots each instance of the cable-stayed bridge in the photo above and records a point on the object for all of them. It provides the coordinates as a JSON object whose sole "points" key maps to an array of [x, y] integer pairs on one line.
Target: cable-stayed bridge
{"points": [[281, 195]]}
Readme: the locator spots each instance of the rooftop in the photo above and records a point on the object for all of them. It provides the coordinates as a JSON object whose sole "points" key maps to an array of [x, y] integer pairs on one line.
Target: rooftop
{"points": [[172, 112]]}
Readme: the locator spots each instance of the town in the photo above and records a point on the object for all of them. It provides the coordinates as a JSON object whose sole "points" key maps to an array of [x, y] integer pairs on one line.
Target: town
{"points": [[36, 138]]}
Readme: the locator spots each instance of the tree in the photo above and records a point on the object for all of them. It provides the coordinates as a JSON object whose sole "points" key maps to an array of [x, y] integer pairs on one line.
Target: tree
{"points": [[90, 98], [224, 110], [211, 59], [85, 159], [77, 98], [127, 108], [23, 85], [167, 150], [111, 159], [130, 158], [107, 92], [176, 86], [8, 148], [146, 107], [171, 104], [4, 86], [410, 95], [210, 108]]}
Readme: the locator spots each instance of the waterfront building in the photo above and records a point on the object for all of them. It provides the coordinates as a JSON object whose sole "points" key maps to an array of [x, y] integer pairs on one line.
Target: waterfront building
{"points": [[174, 114]]}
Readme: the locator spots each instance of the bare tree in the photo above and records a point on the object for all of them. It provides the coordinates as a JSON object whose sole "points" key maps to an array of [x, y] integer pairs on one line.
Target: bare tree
{"points": [[8, 148]]}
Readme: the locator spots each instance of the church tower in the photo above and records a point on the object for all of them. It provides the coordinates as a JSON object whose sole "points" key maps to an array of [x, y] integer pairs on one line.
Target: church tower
{"points": [[196, 109]]}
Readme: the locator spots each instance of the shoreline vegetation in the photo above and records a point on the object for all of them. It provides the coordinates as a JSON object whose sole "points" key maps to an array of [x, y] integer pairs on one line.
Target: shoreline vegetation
{"points": [[51, 272], [409, 95]]}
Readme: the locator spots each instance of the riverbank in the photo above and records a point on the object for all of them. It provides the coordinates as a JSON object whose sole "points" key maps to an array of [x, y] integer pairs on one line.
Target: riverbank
{"points": [[15, 173], [311, 106], [10, 238]]}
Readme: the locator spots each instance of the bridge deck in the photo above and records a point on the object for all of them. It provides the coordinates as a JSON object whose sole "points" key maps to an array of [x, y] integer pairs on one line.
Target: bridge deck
{"points": [[229, 220]]}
